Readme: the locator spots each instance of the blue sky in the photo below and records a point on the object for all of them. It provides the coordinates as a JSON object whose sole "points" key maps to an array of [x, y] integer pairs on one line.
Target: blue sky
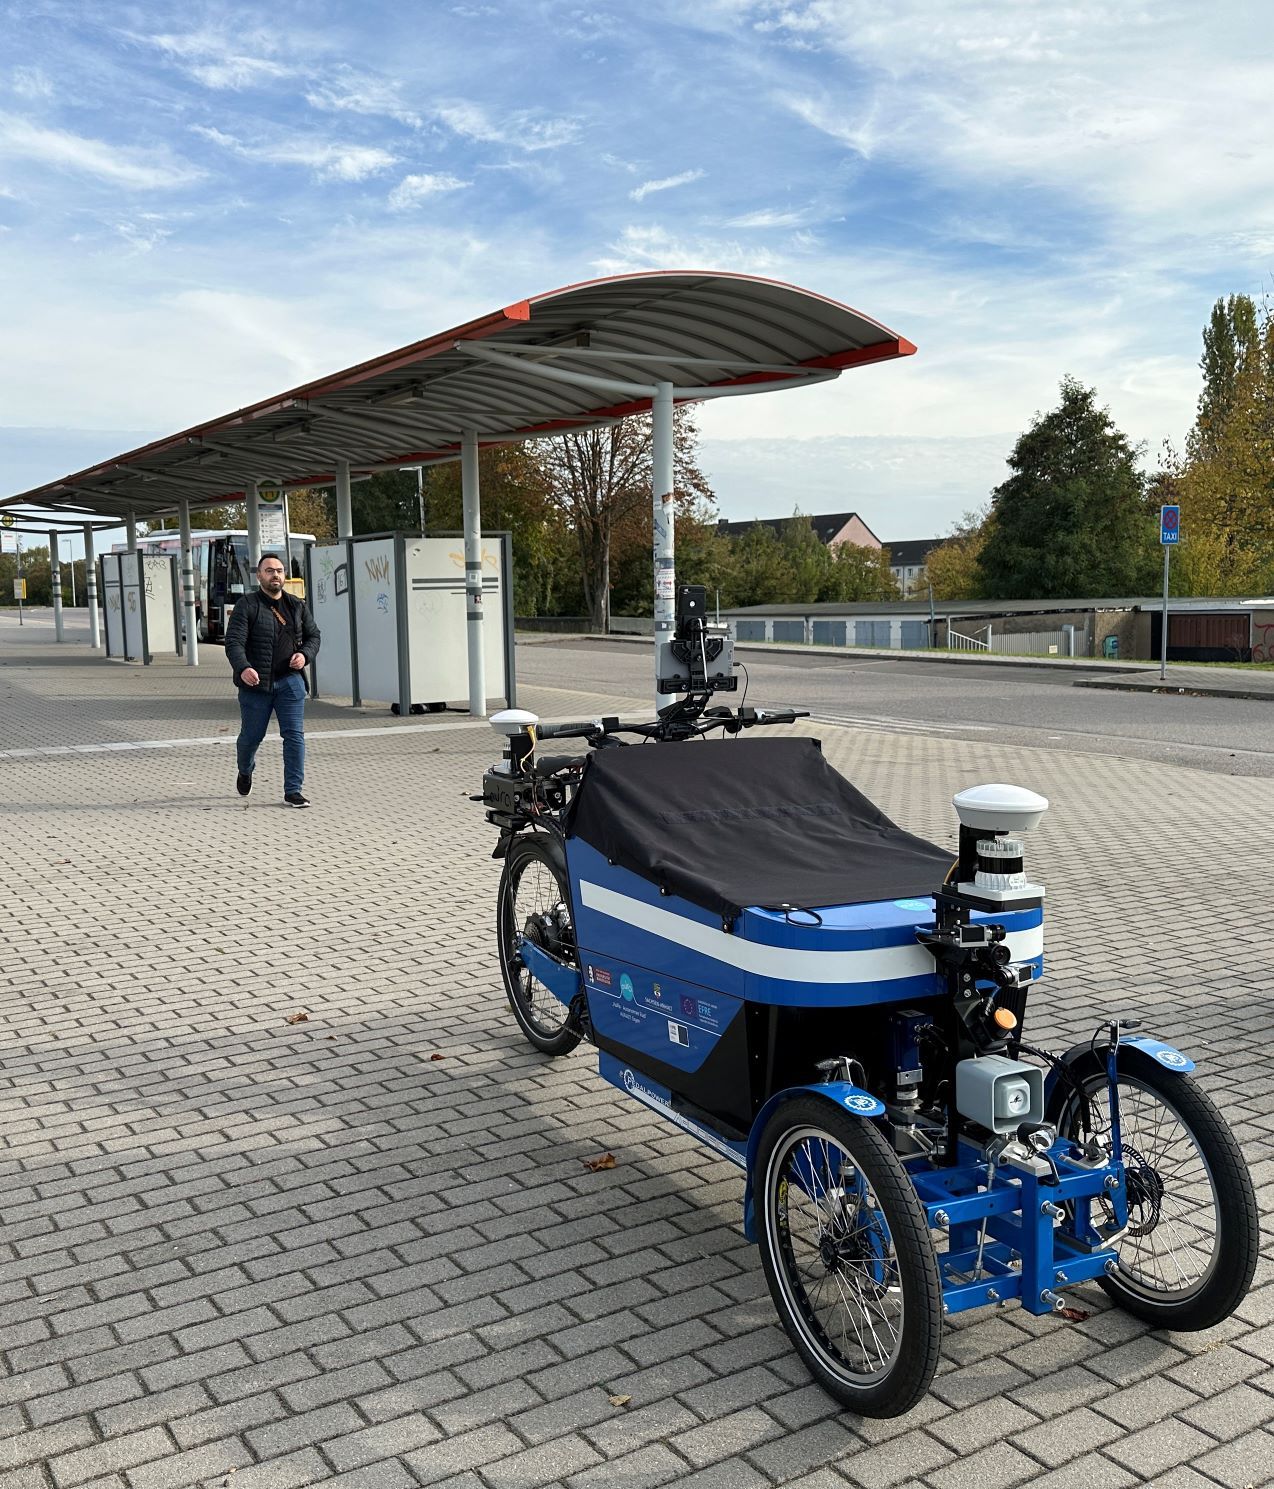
{"points": [[203, 204]]}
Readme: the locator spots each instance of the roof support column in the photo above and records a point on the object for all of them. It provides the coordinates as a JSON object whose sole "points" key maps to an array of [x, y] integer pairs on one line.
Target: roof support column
{"points": [[90, 584], [131, 525], [473, 572], [188, 586], [662, 495], [254, 528], [344, 503], [55, 566]]}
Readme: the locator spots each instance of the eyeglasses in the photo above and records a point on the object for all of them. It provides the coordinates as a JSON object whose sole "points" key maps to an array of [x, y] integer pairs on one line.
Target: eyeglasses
{"points": [[271, 571]]}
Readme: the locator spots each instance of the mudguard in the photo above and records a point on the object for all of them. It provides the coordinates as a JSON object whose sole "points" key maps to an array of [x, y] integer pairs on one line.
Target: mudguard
{"points": [[1136, 1052], [843, 1095]]}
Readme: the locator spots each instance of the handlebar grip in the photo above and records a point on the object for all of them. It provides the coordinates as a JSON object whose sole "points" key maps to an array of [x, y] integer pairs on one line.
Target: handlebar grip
{"points": [[567, 731]]}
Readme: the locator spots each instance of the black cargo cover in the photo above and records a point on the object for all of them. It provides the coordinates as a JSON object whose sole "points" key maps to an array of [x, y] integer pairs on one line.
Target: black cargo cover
{"points": [[737, 822]]}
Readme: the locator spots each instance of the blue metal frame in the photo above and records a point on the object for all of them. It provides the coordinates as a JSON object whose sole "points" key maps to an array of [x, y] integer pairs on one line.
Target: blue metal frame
{"points": [[1012, 1232]]}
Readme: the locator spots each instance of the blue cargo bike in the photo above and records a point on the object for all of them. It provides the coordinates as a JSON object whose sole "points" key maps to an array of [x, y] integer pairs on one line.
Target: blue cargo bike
{"points": [[769, 963]]}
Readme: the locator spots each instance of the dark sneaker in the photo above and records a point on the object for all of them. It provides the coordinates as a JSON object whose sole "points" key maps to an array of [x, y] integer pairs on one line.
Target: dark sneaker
{"points": [[243, 784], [295, 799]]}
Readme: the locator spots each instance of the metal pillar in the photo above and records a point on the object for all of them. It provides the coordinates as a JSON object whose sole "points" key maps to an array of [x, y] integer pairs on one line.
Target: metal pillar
{"points": [[344, 502], [188, 586], [131, 524], [254, 529], [473, 572], [90, 584], [55, 566], [661, 485]]}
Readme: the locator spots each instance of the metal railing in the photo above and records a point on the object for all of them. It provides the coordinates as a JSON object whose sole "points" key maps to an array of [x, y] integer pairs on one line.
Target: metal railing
{"points": [[958, 641]]}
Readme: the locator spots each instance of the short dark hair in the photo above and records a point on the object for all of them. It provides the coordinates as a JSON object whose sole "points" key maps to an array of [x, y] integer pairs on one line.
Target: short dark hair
{"points": [[277, 557]]}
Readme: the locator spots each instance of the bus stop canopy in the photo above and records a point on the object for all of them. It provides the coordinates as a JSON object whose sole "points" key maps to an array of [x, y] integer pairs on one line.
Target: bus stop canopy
{"points": [[557, 362]]}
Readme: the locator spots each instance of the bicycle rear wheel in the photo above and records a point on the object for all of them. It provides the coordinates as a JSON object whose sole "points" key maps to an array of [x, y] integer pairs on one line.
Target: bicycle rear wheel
{"points": [[534, 904]]}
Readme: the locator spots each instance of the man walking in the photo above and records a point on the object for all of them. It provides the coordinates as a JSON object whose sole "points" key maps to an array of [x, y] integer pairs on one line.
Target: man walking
{"points": [[271, 638]]}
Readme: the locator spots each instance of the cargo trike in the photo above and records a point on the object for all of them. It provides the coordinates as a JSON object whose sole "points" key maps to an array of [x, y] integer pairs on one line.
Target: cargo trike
{"points": [[766, 961]]}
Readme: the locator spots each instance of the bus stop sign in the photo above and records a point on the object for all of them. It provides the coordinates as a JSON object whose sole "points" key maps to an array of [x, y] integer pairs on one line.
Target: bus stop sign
{"points": [[1169, 524]]}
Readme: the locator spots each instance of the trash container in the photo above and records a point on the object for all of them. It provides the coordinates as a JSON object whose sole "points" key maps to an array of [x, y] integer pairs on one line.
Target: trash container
{"points": [[1110, 646]]}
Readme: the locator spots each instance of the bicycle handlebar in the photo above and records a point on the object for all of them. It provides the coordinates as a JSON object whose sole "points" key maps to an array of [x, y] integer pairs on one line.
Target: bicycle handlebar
{"points": [[717, 718]]}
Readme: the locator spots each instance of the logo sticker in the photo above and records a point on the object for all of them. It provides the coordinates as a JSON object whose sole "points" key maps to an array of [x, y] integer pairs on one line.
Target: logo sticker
{"points": [[678, 1034], [858, 1103], [625, 987], [1172, 1058]]}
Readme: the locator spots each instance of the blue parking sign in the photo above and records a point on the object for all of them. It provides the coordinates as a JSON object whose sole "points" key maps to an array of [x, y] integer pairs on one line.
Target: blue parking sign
{"points": [[1169, 524]]}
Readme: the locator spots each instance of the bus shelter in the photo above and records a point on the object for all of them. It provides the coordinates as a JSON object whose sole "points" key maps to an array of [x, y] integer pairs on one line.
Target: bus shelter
{"points": [[575, 357]]}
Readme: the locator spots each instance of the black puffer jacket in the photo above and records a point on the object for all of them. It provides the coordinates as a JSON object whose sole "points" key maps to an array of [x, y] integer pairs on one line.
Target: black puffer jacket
{"points": [[251, 632]]}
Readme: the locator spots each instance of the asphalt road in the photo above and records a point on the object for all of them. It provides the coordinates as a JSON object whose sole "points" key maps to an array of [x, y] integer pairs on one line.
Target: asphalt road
{"points": [[1021, 705]]}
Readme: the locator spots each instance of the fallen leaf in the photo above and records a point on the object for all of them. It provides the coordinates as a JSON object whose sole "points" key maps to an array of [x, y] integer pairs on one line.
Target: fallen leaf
{"points": [[329, 1036], [1072, 1315], [619, 1400], [298, 1018], [58, 861], [606, 1160], [435, 1056]]}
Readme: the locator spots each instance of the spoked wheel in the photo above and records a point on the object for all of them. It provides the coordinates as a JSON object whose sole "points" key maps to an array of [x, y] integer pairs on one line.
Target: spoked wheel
{"points": [[534, 905], [1187, 1258], [848, 1258]]}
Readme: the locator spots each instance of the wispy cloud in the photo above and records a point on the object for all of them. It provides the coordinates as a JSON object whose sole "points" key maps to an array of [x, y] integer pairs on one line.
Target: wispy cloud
{"points": [[666, 183], [218, 62], [769, 217], [328, 160], [412, 190], [120, 165], [362, 93], [657, 248], [31, 82], [524, 129]]}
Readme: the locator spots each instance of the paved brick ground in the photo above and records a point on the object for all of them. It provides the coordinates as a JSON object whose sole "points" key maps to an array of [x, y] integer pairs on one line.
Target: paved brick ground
{"points": [[363, 1249]]}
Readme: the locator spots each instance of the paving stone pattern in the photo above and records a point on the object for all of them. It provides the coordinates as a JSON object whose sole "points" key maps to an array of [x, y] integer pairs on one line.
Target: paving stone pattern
{"points": [[363, 1248]]}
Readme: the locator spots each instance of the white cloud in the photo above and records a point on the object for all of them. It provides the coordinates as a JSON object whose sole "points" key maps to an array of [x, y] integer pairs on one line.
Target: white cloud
{"points": [[648, 188], [31, 82], [771, 217], [656, 248], [119, 165], [328, 161], [412, 190], [219, 63], [362, 93], [524, 130]]}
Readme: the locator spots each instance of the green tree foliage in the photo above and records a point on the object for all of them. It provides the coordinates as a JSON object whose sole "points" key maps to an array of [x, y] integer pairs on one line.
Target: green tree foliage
{"points": [[760, 571], [952, 568], [1225, 483], [232, 518], [36, 572], [385, 503], [1072, 519], [856, 573]]}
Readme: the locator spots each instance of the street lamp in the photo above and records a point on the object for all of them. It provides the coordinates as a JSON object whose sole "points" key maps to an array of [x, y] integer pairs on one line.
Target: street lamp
{"points": [[71, 549]]}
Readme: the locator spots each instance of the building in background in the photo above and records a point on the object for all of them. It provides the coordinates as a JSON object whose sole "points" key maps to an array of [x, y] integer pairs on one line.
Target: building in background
{"points": [[833, 528], [907, 560]]}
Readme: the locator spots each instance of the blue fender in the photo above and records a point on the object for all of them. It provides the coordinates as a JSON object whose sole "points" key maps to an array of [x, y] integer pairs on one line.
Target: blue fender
{"points": [[843, 1095], [1136, 1052]]}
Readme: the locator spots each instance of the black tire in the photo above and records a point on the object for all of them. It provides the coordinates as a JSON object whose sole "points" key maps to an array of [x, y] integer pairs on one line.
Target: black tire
{"points": [[849, 1264], [534, 900], [1189, 1254]]}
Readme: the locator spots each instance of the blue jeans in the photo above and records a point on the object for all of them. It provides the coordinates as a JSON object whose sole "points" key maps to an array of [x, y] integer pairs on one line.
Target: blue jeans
{"points": [[286, 699]]}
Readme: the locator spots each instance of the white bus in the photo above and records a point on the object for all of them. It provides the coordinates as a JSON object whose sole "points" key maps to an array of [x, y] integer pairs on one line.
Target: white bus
{"points": [[220, 559]]}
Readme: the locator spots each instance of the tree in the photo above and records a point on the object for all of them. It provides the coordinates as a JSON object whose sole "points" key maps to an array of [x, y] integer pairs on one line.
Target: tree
{"points": [[313, 511], [952, 568], [1072, 519], [1226, 480], [761, 572], [858, 573], [806, 559], [515, 498], [386, 503], [598, 480]]}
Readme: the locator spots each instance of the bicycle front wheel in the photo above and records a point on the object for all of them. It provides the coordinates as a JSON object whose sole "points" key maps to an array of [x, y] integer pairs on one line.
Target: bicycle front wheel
{"points": [[847, 1257], [1188, 1256]]}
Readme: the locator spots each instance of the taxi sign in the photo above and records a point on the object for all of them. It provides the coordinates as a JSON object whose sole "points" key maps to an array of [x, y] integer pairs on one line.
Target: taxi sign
{"points": [[1170, 524]]}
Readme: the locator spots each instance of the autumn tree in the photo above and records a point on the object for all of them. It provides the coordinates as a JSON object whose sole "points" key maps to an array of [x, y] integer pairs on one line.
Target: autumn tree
{"points": [[1072, 519], [1226, 479], [951, 569], [598, 480], [858, 573]]}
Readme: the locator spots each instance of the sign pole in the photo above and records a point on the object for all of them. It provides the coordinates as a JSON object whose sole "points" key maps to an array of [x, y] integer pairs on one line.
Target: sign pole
{"points": [[1169, 537]]}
